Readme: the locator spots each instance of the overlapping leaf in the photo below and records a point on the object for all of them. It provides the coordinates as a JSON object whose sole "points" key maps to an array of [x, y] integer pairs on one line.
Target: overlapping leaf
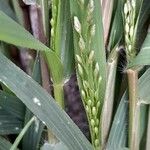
{"points": [[9, 30], [143, 58], [118, 136], [4, 144], [32, 137], [12, 104], [42, 105]]}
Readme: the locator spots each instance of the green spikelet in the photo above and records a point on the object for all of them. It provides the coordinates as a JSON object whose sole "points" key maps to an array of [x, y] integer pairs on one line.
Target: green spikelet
{"points": [[129, 28], [88, 71]]}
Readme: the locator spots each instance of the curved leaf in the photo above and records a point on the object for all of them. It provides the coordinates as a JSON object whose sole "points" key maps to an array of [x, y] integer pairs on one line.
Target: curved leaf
{"points": [[143, 15], [116, 31], [107, 9], [6, 7], [11, 32], [4, 144], [9, 124], [64, 38], [42, 105], [118, 136], [32, 137], [12, 105], [143, 58]]}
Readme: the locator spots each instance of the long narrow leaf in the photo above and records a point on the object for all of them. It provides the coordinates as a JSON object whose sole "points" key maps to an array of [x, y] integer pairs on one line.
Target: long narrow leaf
{"points": [[107, 9], [143, 12], [12, 105], [118, 136], [64, 38], [143, 58], [42, 105], [9, 124], [32, 137], [4, 144], [116, 31], [6, 7], [9, 30]]}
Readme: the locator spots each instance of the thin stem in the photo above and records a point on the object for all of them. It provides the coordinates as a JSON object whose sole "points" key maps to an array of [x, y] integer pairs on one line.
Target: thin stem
{"points": [[59, 94], [20, 136], [55, 44], [134, 110]]}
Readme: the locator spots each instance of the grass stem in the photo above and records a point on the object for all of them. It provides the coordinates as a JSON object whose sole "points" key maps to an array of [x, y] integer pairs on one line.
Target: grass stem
{"points": [[59, 94], [133, 110]]}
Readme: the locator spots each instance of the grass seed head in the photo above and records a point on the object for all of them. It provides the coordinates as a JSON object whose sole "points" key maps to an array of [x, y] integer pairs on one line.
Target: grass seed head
{"points": [[131, 31], [89, 102], [96, 70], [92, 122], [79, 59], [96, 130], [91, 6], [94, 111], [93, 29], [83, 94], [81, 44], [77, 25], [91, 56], [80, 69], [133, 3], [126, 9], [81, 2], [96, 142]]}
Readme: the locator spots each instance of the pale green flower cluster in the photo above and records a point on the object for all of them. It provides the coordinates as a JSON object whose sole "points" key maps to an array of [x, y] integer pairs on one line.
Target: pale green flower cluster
{"points": [[129, 19], [88, 73]]}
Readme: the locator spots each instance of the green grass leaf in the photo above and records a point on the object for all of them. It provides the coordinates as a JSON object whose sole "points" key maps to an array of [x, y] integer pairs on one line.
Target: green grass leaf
{"points": [[116, 30], [42, 105], [32, 137], [64, 38], [143, 58], [4, 144], [12, 104], [58, 146], [143, 14], [6, 7], [118, 136], [13, 33], [144, 94], [9, 124], [107, 111], [107, 9]]}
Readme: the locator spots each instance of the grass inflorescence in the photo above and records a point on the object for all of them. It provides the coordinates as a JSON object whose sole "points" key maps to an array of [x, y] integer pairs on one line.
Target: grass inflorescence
{"points": [[89, 73], [129, 27]]}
